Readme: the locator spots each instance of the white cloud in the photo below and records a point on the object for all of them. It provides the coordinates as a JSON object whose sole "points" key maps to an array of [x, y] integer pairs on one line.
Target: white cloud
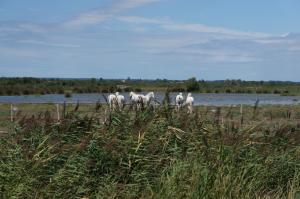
{"points": [[185, 27], [143, 20], [9, 29], [31, 27], [208, 43], [129, 4], [271, 41], [35, 42], [160, 44], [87, 19], [100, 15], [215, 55], [22, 27], [210, 29], [20, 53]]}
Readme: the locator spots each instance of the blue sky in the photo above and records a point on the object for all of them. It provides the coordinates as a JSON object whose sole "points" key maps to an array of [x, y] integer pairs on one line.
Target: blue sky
{"points": [[173, 39]]}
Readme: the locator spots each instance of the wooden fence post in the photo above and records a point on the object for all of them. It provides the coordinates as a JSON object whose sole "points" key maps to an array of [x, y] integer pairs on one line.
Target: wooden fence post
{"points": [[57, 112], [242, 116], [11, 113], [241, 109]]}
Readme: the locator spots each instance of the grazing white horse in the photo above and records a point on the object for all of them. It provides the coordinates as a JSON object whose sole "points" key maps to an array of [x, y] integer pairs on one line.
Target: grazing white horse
{"points": [[120, 100], [112, 101], [190, 102], [179, 101]]}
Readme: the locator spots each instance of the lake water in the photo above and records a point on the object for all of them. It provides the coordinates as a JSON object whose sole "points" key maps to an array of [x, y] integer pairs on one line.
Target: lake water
{"points": [[200, 99]]}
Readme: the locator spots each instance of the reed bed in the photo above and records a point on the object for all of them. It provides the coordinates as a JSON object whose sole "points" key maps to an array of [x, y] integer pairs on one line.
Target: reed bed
{"points": [[157, 153]]}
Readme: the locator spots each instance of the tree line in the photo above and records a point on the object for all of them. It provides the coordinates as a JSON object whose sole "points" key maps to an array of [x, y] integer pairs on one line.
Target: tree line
{"points": [[41, 86]]}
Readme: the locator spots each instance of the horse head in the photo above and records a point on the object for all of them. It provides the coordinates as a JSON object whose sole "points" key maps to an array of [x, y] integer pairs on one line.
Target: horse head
{"points": [[151, 95], [131, 94]]}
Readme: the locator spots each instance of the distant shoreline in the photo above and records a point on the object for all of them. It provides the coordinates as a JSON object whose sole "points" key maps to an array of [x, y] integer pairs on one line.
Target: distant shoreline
{"points": [[69, 86]]}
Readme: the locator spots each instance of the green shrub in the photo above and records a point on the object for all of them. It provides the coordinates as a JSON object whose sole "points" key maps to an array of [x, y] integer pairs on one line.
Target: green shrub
{"points": [[68, 94], [192, 85]]}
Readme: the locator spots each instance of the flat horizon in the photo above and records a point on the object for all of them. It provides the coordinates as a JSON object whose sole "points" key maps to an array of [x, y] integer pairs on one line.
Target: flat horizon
{"points": [[118, 79]]}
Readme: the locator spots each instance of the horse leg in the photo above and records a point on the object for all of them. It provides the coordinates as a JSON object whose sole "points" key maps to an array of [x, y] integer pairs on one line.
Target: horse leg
{"points": [[190, 107]]}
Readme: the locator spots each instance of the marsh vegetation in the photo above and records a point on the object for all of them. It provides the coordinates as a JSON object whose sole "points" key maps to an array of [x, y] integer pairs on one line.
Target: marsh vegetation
{"points": [[216, 152]]}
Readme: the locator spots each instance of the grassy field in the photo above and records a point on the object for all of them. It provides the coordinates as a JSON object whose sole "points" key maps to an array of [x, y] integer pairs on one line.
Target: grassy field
{"points": [[217, 152]]}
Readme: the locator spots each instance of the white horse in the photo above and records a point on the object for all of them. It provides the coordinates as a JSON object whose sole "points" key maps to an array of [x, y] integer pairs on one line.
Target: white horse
{"points": [[136, 99], [190, 102], [179, 101], [120, 100], [112, 101], [148, 98], [141, 100]]}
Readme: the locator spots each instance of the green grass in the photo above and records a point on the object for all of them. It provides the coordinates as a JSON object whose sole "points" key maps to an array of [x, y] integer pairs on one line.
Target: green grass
{"points": [[152, 154]]}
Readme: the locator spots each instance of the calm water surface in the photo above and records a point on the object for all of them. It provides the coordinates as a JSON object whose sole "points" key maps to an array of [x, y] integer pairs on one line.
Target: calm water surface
{"points": [[200, 99]]}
